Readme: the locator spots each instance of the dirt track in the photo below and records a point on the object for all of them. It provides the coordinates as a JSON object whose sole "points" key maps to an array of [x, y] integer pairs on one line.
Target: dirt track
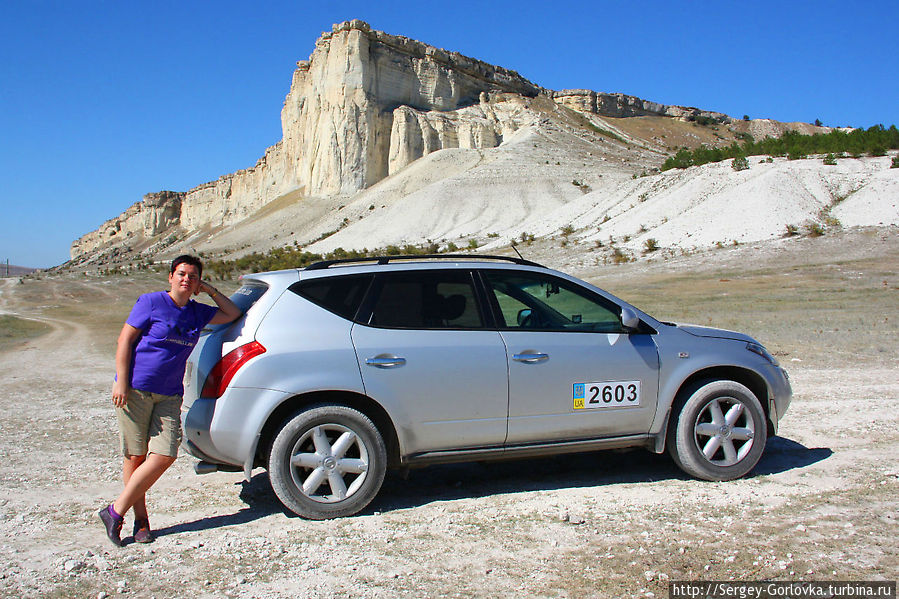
{"points": [[821, 505]]}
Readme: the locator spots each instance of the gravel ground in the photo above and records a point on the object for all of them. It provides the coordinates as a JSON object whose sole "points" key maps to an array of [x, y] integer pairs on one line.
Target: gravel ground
{"points": [[821, 505]]}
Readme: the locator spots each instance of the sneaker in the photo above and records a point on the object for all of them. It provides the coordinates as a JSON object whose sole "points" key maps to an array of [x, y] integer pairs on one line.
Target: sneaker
{"points": [[113, 526], [142, 532]]}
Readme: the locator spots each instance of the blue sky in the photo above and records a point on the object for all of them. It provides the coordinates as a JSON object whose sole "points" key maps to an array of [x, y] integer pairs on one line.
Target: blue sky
{"points": [[102, 102]]}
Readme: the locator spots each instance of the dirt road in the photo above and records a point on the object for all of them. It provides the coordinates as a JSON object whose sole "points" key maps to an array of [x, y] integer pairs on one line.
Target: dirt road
{"points": [[822, 504]]}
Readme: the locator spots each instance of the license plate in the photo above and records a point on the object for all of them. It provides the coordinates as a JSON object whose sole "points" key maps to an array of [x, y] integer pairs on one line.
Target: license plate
{"points": [[607, 394]]}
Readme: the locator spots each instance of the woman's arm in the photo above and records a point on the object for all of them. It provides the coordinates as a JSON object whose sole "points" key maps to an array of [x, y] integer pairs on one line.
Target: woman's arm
{"points": [[228, 312], [120, 388]]}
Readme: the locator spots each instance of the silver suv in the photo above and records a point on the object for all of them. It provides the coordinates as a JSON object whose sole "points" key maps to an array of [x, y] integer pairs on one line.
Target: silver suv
{"points": [[343, 369]]}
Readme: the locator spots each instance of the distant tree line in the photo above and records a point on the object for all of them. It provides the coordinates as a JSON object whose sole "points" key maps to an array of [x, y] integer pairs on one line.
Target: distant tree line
{"points": [[874, 141], [294, 257]]}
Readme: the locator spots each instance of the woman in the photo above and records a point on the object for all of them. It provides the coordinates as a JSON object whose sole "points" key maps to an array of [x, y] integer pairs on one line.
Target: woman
{"points": [[152, 351]]}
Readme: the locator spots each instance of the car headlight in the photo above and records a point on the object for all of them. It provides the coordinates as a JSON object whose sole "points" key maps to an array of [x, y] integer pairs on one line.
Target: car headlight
{"points": [[760, 350]]}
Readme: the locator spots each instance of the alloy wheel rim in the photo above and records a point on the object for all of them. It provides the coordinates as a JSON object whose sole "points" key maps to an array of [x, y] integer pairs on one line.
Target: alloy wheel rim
{"points": [[329, 463], [724, 431]]}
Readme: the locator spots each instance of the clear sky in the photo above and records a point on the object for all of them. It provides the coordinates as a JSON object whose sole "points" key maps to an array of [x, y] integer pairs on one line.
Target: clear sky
{"points": [[104, 101]]}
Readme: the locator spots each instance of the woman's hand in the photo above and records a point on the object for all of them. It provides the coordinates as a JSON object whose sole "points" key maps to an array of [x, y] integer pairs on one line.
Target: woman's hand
{"points": [[228, 312], [120, 393], [206, 288]]}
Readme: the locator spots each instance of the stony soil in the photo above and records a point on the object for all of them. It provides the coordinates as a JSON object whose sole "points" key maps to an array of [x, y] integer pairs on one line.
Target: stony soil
{"points": [[821, 505]]}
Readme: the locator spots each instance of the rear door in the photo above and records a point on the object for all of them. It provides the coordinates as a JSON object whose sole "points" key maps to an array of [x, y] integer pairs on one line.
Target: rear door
{"points": [[427, 356]]}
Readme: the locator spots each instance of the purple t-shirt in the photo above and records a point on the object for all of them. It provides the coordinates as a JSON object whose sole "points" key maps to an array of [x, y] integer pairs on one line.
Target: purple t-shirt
{"points": [[168, 334]]}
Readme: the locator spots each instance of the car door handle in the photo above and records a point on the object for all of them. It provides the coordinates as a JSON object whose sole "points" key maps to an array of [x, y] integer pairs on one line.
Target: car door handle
{"points": [[530, 358], [385, 361]]}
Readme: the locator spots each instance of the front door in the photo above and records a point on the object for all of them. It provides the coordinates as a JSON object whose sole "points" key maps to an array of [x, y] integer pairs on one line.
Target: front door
{"points": [[574, 372]]}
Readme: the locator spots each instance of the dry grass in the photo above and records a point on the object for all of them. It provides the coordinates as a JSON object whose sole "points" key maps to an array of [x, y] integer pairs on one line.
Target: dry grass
{"points": [[14, 331], [815, 313]]}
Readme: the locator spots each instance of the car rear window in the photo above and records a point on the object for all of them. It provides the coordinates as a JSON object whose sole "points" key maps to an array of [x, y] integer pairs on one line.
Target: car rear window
{"points": [[426, 300], [340, 295], [247, 295]]}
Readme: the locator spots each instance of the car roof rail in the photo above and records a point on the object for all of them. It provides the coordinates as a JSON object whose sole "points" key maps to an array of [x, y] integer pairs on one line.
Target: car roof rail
{"points": [[405, 258]]}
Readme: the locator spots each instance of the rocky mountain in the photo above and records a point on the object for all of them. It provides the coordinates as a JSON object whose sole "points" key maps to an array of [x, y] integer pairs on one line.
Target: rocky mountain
{"points": [[387, 140]]}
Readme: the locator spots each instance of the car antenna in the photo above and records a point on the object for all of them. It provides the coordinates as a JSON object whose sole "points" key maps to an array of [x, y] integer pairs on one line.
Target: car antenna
{"points": [[516, 251]]}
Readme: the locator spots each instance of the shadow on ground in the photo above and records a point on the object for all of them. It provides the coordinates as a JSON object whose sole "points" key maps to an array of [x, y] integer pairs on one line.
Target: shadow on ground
{"points": [[596, 469], [260, 500], [783, 454], [481, 479]]}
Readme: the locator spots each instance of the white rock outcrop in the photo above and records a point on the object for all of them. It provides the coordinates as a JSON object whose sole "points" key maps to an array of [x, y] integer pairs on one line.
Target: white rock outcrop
{"points": [[366, 105]]}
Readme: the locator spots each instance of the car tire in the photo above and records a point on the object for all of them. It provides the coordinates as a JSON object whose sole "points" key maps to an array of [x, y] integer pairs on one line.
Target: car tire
{"points": [[327, 461], [717, 431]]}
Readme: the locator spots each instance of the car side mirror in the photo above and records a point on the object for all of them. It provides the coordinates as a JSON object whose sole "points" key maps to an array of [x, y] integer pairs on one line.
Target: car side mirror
{"points": [[523, 315], [629, 319]]}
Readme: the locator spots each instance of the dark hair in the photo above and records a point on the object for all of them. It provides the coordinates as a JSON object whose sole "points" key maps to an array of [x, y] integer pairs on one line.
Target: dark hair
{"points": [[187, 259]]}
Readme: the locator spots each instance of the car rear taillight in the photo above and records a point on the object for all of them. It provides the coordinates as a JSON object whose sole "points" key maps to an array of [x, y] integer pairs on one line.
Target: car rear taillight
{"points": [[222, 373]]}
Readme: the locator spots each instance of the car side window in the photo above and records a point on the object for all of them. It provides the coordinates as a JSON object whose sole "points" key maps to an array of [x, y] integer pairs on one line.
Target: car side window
{"points": [[534, 301], [426, 300], [340, 295]]}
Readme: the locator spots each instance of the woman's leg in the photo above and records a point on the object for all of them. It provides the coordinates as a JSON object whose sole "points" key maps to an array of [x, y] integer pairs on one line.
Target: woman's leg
{"points": [[131, 463], [140, 480]]}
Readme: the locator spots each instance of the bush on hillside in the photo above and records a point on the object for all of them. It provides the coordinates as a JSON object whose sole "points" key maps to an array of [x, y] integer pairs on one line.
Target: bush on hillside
{"points": [[739, 163], [874, 141]]}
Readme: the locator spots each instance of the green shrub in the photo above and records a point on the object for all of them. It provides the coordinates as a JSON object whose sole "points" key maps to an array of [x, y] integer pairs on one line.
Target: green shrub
{"points": [[702, 121], [619, 257], [830, 160], [792, 231], [875, 141], [813, 229], [895, 163], [832, 222], [739, 163], [650, 245]]}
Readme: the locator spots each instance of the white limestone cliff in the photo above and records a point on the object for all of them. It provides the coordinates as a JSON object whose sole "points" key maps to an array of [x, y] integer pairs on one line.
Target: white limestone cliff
{"points": [[364, 106]]}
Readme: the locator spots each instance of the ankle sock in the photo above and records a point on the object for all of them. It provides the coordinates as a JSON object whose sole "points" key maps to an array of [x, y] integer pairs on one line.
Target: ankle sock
{"points": [[114, 513]]}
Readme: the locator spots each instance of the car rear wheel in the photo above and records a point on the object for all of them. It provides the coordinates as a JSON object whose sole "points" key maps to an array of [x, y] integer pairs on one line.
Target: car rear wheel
{"points": [[718, 431], [327, 461]]}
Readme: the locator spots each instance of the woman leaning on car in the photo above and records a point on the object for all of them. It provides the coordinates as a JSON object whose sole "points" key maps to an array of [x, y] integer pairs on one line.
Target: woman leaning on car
{"points": [[152, 350]]}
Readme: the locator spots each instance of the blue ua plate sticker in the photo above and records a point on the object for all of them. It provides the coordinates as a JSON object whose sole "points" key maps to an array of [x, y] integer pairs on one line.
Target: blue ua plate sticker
{"points": [[607, 394]]}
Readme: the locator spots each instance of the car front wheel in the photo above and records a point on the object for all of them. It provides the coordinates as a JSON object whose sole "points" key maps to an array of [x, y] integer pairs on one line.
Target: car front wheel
{"points": [[327, 461], [718, 431]]}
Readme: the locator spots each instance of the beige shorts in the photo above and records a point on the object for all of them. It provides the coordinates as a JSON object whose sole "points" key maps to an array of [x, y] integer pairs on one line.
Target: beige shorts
{"points": [[150, 423]]}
